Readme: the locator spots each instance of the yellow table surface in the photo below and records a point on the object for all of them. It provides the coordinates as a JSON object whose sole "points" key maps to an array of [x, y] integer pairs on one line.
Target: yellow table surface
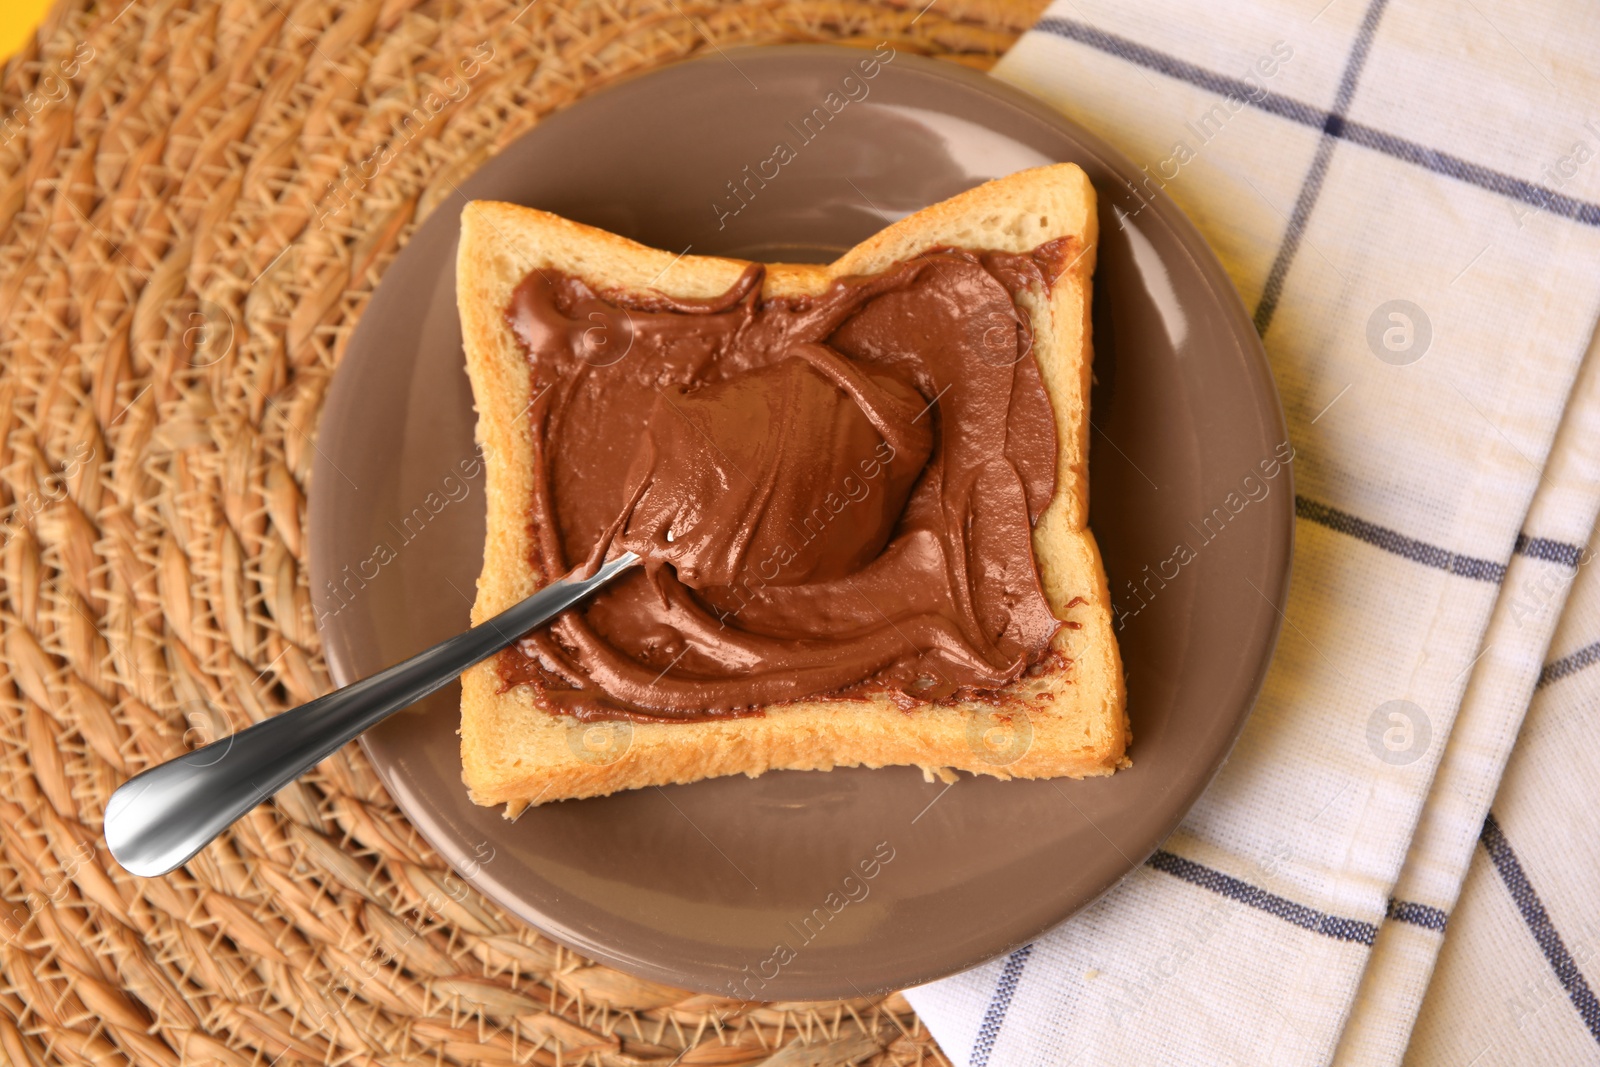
{"points": [[17, 21]]}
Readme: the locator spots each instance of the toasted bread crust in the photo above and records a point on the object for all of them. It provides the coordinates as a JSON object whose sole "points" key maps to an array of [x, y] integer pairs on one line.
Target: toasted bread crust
{"points": [[1069, 721]]}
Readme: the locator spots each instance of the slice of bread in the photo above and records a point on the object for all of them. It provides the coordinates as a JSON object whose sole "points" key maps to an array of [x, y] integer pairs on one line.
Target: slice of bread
{"points": [[1067, 720]]}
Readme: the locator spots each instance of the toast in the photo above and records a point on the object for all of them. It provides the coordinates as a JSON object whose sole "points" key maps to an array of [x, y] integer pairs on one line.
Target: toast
{"points": [[1068, 720]]}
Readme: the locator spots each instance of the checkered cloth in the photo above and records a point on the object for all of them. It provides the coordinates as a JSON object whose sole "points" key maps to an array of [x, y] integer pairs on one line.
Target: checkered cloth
{"points": [[1401, 858]]}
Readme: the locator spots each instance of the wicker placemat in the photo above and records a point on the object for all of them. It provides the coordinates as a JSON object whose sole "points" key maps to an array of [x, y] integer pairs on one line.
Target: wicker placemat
{"points": [[196, 199]]}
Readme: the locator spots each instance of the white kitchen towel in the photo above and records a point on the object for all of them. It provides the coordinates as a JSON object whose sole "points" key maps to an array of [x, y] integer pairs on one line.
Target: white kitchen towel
{"points": [[1507, 674], [1408, 195], [1517, 978]]}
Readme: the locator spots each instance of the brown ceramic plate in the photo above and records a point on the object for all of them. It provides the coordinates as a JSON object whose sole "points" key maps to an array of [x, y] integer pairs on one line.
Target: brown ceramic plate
{"points": [[697, 885]]}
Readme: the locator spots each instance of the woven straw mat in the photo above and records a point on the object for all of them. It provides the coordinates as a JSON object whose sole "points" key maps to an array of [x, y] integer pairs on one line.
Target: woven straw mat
{"points": [[157, 160]]}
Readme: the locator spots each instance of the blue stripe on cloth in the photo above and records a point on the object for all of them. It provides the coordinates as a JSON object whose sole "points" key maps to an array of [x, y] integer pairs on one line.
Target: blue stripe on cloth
{"points": [[1423, 915], [1539, 924], [1484, 570], [1555, 670], [995, 1017], [1311, 186], [1356, 133], [1234, 889], [1549, 551]]}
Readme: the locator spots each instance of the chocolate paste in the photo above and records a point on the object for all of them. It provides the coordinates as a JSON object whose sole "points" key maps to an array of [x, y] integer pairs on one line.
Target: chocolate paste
{"points": [[834, 494]]}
